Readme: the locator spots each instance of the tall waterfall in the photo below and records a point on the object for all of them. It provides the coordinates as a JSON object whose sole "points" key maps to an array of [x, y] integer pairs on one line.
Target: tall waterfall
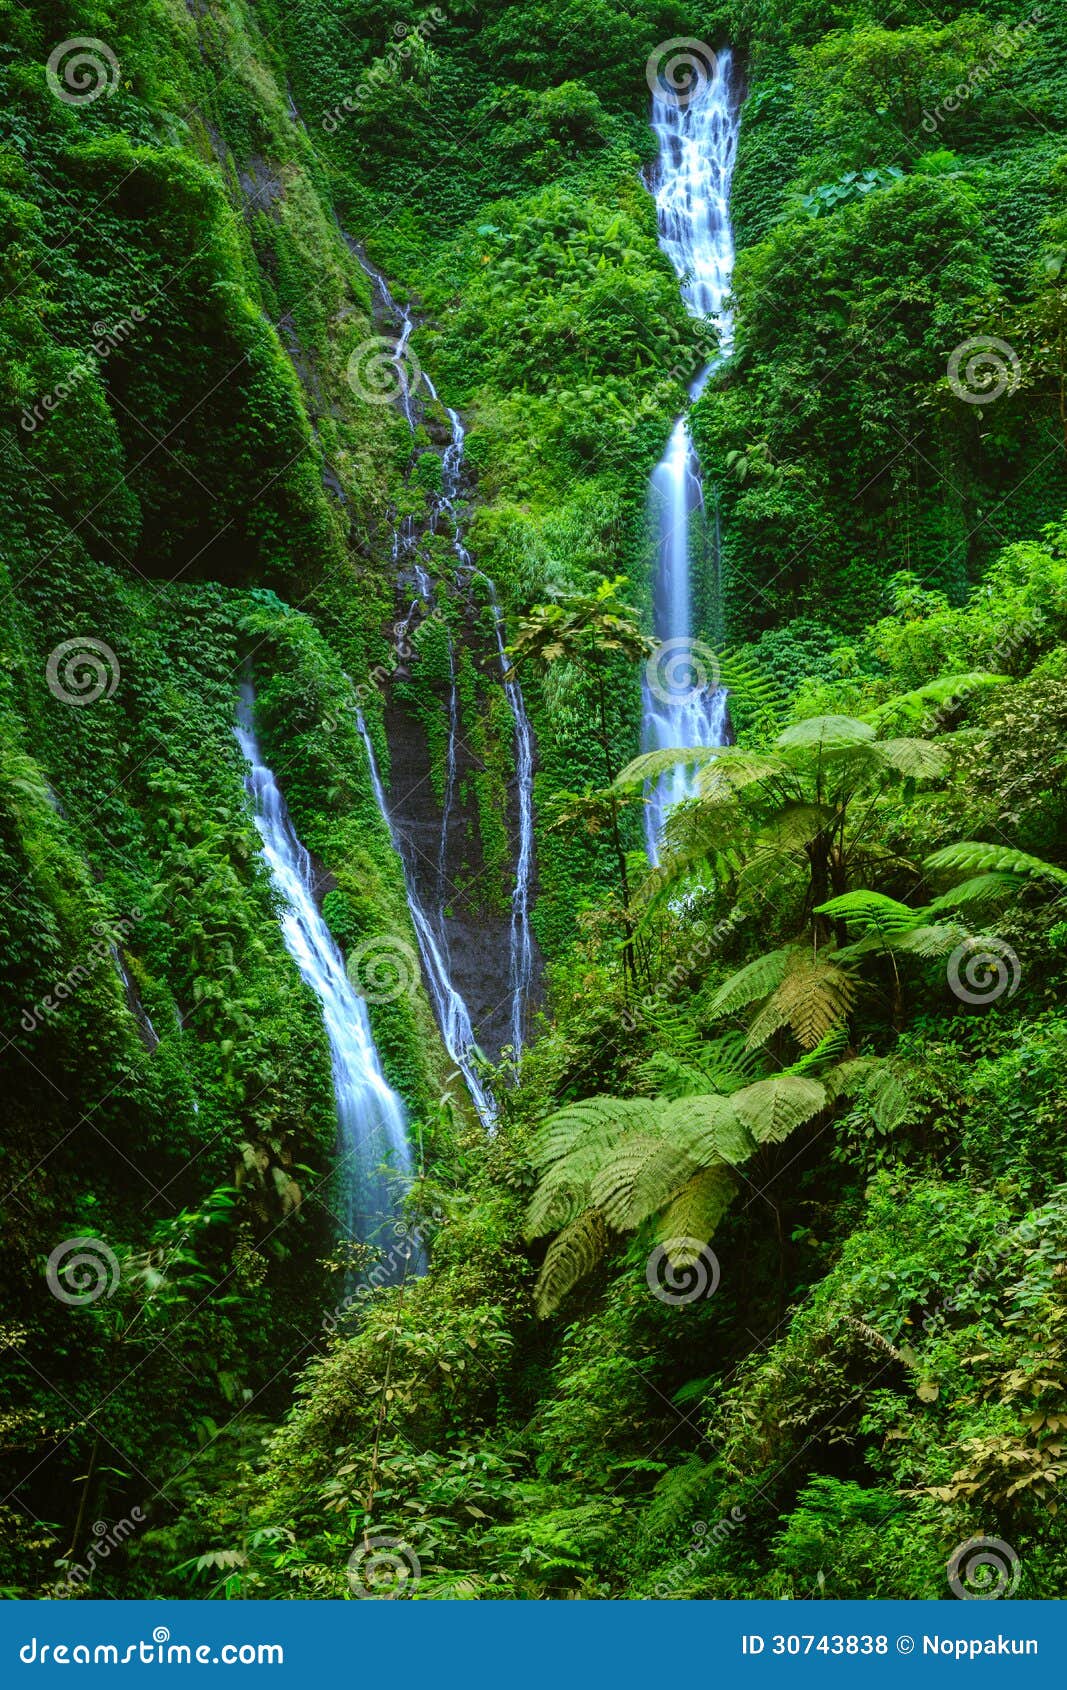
{"points": [[428, 910], [697, 146], [372, 1128]]}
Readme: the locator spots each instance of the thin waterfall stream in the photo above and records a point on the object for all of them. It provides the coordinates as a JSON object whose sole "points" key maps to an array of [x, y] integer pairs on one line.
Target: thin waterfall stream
{"points": [[682, 707], [376, 1160], [428, 914]]}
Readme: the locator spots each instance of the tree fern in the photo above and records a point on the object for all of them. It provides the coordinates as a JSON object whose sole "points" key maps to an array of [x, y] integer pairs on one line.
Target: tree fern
{"points": [[977, 889], [920, 759], [931, 939], [915, 707], [818, 732], [652, 764]]}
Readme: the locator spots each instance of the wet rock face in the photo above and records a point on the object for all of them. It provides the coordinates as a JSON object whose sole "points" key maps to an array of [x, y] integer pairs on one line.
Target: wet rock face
{"points": [[448, 869]]}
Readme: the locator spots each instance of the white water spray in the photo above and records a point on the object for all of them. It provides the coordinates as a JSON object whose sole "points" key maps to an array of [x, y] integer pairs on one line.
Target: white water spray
{"points": [[682, 706], [372, 1126]]}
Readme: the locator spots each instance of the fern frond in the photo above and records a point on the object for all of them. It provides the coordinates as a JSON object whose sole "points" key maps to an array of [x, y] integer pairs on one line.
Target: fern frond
{"points": [[774, 1108], [978, 889], [820, 732], [748, 684], [594, 1121], [559, 1199], [708, 1129], [793, 827], [870, 910], [576, 1251], [814, 999], [920, 759], [912, 707], [974, 856], [697, 1210], [734, 769], [652, 764], [884, 1084], [756, 980], [668, 1075], [640, 1179], [825, 1051], [932, 939]]}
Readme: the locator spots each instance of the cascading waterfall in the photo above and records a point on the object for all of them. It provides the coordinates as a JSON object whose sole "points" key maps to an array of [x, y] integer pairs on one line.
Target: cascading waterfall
{"points": [[371, 1122], [452, 1012], [697, 145]]}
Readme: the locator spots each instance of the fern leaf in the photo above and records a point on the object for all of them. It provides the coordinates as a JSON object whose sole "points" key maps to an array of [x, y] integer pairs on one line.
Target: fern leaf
{"points": [[912, 707], [668, 1075], [826, 1049], [638, 1178], [972, 856], [929, 940], [756, 980], [569, 1258], [919, 759], [977, 889], [774, 1108], [870, 909], [794, 827], [559, 1199], [652, 764], [696, 1211], [814, 999], [819, 732], [734, 769], [708, 1129], [594, 1121]]}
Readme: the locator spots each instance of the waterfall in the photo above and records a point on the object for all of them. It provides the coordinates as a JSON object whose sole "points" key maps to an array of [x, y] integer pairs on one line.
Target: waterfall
{"points": [[453, 1014], [372, 1127], [682, 706], [453, 1017]]}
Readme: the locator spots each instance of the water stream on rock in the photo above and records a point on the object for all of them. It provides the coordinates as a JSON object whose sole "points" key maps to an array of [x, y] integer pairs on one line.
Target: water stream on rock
{"points": [[697, 147], [452, 1011], [371, 1121]]}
